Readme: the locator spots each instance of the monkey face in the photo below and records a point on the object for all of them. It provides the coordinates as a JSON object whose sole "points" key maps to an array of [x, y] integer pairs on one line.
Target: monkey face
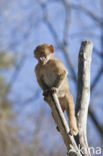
{"points": [[43, 59], [44, 53]]}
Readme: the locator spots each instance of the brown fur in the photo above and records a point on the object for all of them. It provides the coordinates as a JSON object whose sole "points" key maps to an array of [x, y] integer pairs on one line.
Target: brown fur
{"points": [[53, 74]]}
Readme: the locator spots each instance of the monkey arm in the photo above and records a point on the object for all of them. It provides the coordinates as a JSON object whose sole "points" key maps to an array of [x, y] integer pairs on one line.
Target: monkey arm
{"points": [[60, 79], [61, 73], [46, 89], [43, 84], [40, 78]]}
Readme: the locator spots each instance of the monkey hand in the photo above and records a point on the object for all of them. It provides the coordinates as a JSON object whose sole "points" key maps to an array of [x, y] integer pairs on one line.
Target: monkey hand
{"points": [[46, 92], [54, 90], [73, 126]]}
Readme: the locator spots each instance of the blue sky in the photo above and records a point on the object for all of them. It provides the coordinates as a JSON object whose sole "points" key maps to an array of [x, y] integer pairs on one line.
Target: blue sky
{"points": [[22, 28]]}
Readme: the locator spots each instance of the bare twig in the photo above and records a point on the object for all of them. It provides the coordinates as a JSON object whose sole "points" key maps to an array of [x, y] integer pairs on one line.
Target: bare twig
{"points": [[15, 74], [83, 96], [98, 76], [18, 68], [67, 26], [62, 125], [84, 10], [97, 124]]}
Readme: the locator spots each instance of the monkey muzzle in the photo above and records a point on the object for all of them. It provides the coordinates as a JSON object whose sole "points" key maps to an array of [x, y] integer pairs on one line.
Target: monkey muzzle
{"points": [[43, 60]]}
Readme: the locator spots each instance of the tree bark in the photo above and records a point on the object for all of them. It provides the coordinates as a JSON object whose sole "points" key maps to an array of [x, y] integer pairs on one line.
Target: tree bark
{"points": [[83, 95]]}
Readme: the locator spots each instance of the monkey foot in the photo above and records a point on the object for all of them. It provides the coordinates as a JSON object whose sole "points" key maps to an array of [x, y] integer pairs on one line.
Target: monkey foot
{"points": [[46, 93], [57, 129], [73, 131]]}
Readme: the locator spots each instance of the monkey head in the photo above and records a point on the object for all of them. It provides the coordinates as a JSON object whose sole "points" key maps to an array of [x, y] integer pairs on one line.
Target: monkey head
{"points": [[43, 53]]}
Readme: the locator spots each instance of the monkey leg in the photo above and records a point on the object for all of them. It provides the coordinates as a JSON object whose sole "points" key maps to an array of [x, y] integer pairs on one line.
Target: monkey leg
{"points": [[48, 99], [55, 122], [71, 114]]}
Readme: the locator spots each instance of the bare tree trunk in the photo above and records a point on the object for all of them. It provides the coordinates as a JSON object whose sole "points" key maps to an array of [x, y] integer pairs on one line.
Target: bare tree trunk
{"points": [[83, 96]]}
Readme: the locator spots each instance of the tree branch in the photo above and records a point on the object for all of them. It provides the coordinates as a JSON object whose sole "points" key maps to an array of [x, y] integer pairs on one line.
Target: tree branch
{"points": [[83, 95], [62, 125], [82, 9], [100, 128]]}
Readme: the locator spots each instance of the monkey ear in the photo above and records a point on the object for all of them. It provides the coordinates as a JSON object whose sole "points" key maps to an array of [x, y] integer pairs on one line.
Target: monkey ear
{"points": [[52, 48]]}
